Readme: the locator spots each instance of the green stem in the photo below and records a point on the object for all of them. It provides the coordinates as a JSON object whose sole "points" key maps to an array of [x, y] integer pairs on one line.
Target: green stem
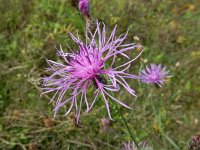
{"points": [[129, 130]]}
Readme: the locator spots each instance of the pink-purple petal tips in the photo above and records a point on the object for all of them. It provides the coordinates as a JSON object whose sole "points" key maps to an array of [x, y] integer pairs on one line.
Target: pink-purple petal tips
{"points": [[155, 74], [132, 146], [84, 7]]}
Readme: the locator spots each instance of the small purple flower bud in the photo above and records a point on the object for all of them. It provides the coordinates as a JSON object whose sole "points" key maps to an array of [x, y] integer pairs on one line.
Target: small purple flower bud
{"points": [[105, 122], [84, 7]]}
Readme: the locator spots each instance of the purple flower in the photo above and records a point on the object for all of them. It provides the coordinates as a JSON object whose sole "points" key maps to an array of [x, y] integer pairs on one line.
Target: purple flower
{"points": [[132, 146], [84, 7], [154, 74], [86, 69]]}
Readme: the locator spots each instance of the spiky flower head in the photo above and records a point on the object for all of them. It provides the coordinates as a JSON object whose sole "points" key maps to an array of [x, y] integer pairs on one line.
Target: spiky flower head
{"points": [[132, 146], [154, 74], [84, 7], [90, 66]]}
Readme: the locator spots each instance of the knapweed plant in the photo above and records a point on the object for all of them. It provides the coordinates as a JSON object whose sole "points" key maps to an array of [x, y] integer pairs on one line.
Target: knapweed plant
{"points": [[92, 66], [86, 67]]}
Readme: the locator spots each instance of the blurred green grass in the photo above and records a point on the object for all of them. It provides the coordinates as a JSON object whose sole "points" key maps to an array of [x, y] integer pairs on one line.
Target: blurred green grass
{"points": [[167, 118]]}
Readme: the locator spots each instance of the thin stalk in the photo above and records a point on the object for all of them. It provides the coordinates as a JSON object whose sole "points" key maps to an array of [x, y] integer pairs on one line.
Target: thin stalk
{"points": [[129, 130], [163, 135]]}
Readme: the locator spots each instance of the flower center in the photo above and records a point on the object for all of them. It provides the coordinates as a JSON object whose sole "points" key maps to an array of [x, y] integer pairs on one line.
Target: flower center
{"points": [[154, 76], [86, 64]]}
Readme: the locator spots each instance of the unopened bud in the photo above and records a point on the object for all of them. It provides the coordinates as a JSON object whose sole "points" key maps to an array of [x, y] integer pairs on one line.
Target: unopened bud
{"points": [[195, 143]]}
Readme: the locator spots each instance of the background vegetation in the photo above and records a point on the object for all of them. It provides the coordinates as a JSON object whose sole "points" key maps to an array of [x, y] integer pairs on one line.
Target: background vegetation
{"points": [[167, 118]]}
